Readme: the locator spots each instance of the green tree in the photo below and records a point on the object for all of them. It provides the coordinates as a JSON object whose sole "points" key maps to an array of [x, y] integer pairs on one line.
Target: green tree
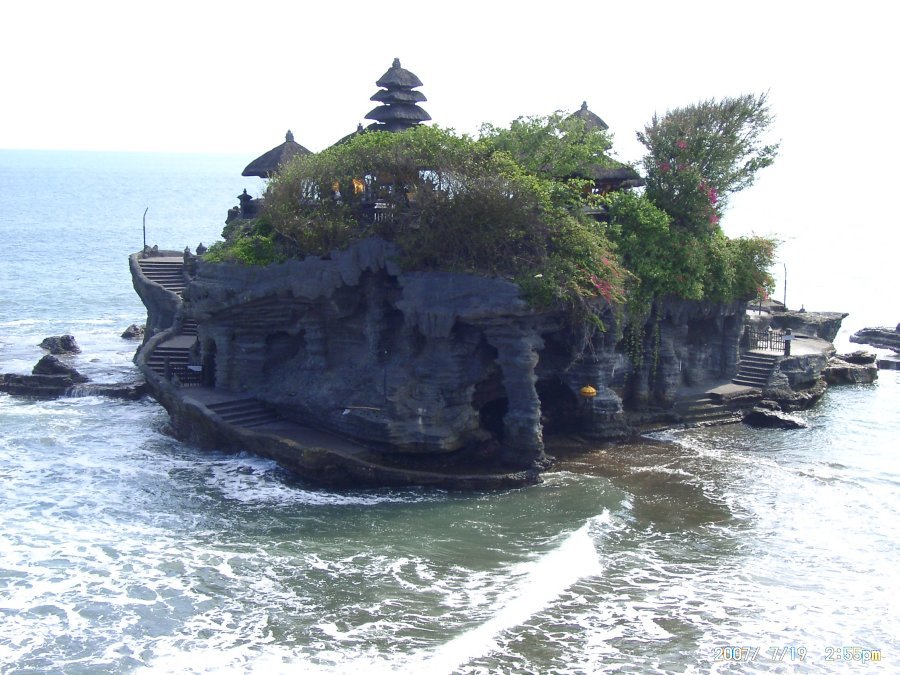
{"points": [[701, 154], [557, 146], [449, 203]]}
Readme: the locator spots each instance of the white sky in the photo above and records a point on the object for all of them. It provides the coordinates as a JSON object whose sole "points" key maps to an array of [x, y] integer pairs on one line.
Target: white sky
{"points": [[234, 76]]}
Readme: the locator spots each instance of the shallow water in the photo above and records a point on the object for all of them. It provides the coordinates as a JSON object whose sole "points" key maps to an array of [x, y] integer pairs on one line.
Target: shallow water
{"points": [[123, 550]]}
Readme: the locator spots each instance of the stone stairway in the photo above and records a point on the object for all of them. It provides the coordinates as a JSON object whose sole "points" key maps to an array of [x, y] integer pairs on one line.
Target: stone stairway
{"points": [[169, 361], [701, 410], [188, 327], [754, 369], [167, 272], [246, 412]]}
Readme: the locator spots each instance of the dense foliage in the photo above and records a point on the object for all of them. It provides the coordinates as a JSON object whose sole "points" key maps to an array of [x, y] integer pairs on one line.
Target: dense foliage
{"points": [[512, 204], [669, 260], [699, 155], [449, 203], [556, 146]]}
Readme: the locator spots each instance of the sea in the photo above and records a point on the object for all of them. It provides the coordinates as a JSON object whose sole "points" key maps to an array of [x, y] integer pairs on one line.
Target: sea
{"points": [[123, 550]]}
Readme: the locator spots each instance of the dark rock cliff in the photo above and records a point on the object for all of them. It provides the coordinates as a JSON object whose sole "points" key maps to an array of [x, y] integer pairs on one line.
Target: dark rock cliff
{"points": [[430, 364]]}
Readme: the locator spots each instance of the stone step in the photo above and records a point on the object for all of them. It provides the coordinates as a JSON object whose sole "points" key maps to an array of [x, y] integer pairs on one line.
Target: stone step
{"points": [[750, 382], [753, 371], [762, 363], [245, 412], [236, 404], [703, 411], [252, 419]]}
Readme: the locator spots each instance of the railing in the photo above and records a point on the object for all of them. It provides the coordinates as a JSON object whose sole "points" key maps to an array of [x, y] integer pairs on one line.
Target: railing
{"points": [[768, 340]]}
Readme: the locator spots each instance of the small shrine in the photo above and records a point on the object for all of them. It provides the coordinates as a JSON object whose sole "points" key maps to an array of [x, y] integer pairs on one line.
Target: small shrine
{"points": [[611, 177], [267, 164]]}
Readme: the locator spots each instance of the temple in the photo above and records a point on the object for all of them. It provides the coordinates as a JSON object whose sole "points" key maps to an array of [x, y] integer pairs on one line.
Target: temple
{"points": [[351, 370]]}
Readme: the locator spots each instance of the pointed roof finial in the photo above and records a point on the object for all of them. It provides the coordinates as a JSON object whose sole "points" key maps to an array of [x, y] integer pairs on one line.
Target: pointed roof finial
{"points": [[289, 137], [591, 121], [396, 63]]}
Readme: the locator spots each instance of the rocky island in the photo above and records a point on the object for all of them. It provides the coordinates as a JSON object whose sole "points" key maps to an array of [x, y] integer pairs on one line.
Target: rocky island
{"points": [[413, 308]]}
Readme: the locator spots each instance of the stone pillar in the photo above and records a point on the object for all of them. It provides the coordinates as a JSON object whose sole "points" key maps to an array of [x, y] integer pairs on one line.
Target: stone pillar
{"points": [[517, 356]]}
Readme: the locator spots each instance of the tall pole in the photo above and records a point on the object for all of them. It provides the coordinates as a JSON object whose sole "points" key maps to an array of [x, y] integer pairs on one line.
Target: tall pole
{"points": [[145, 228], [785, 284]]}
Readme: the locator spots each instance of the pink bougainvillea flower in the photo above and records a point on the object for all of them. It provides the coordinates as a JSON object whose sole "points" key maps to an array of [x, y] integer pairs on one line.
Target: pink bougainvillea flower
{"points": [[664, 167], [681, 143]]}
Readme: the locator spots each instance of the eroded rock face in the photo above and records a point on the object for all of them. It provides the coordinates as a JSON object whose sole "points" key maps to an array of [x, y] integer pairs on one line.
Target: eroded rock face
{"points": [[824, 325], [432, 363], [841, 371], [883, 338]]}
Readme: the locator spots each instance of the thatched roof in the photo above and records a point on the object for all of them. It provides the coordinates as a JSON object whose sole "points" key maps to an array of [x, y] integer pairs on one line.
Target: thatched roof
{"points": [[398, 112], [349, 137], [591, 121], [265, 165], [615, 177], [398, 96], [398, 77]]}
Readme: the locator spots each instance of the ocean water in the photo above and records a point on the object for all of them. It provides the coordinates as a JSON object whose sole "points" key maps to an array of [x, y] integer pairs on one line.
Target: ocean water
{"points": [[122, 550]]}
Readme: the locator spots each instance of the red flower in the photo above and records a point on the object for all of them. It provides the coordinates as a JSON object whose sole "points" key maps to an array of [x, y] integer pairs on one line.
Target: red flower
{"points": [[681, 143]]}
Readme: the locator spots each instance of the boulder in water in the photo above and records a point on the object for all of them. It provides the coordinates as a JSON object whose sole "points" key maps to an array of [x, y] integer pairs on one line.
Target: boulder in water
{"points": [[60, 344], [133, 332], [772, 419], [50, 365], [51, 378], [841, 371]]}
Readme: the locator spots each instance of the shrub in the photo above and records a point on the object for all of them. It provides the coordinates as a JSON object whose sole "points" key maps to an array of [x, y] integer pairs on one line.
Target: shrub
{"points": [[449, 203]]}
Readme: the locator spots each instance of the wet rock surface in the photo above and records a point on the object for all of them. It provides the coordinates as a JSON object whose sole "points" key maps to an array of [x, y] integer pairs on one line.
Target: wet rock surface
{"points": [[60, 344], [51, 378], [133, 332], [772, 419]]}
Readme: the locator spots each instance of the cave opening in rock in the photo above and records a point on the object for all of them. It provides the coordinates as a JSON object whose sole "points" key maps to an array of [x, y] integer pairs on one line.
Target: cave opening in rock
{"points": [[559, 407], [490, 400], [208, 364], [491, 415]]}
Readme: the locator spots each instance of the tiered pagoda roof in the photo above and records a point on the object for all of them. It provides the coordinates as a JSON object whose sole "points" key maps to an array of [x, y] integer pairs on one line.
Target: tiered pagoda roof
{"points": [[398, 110]]}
